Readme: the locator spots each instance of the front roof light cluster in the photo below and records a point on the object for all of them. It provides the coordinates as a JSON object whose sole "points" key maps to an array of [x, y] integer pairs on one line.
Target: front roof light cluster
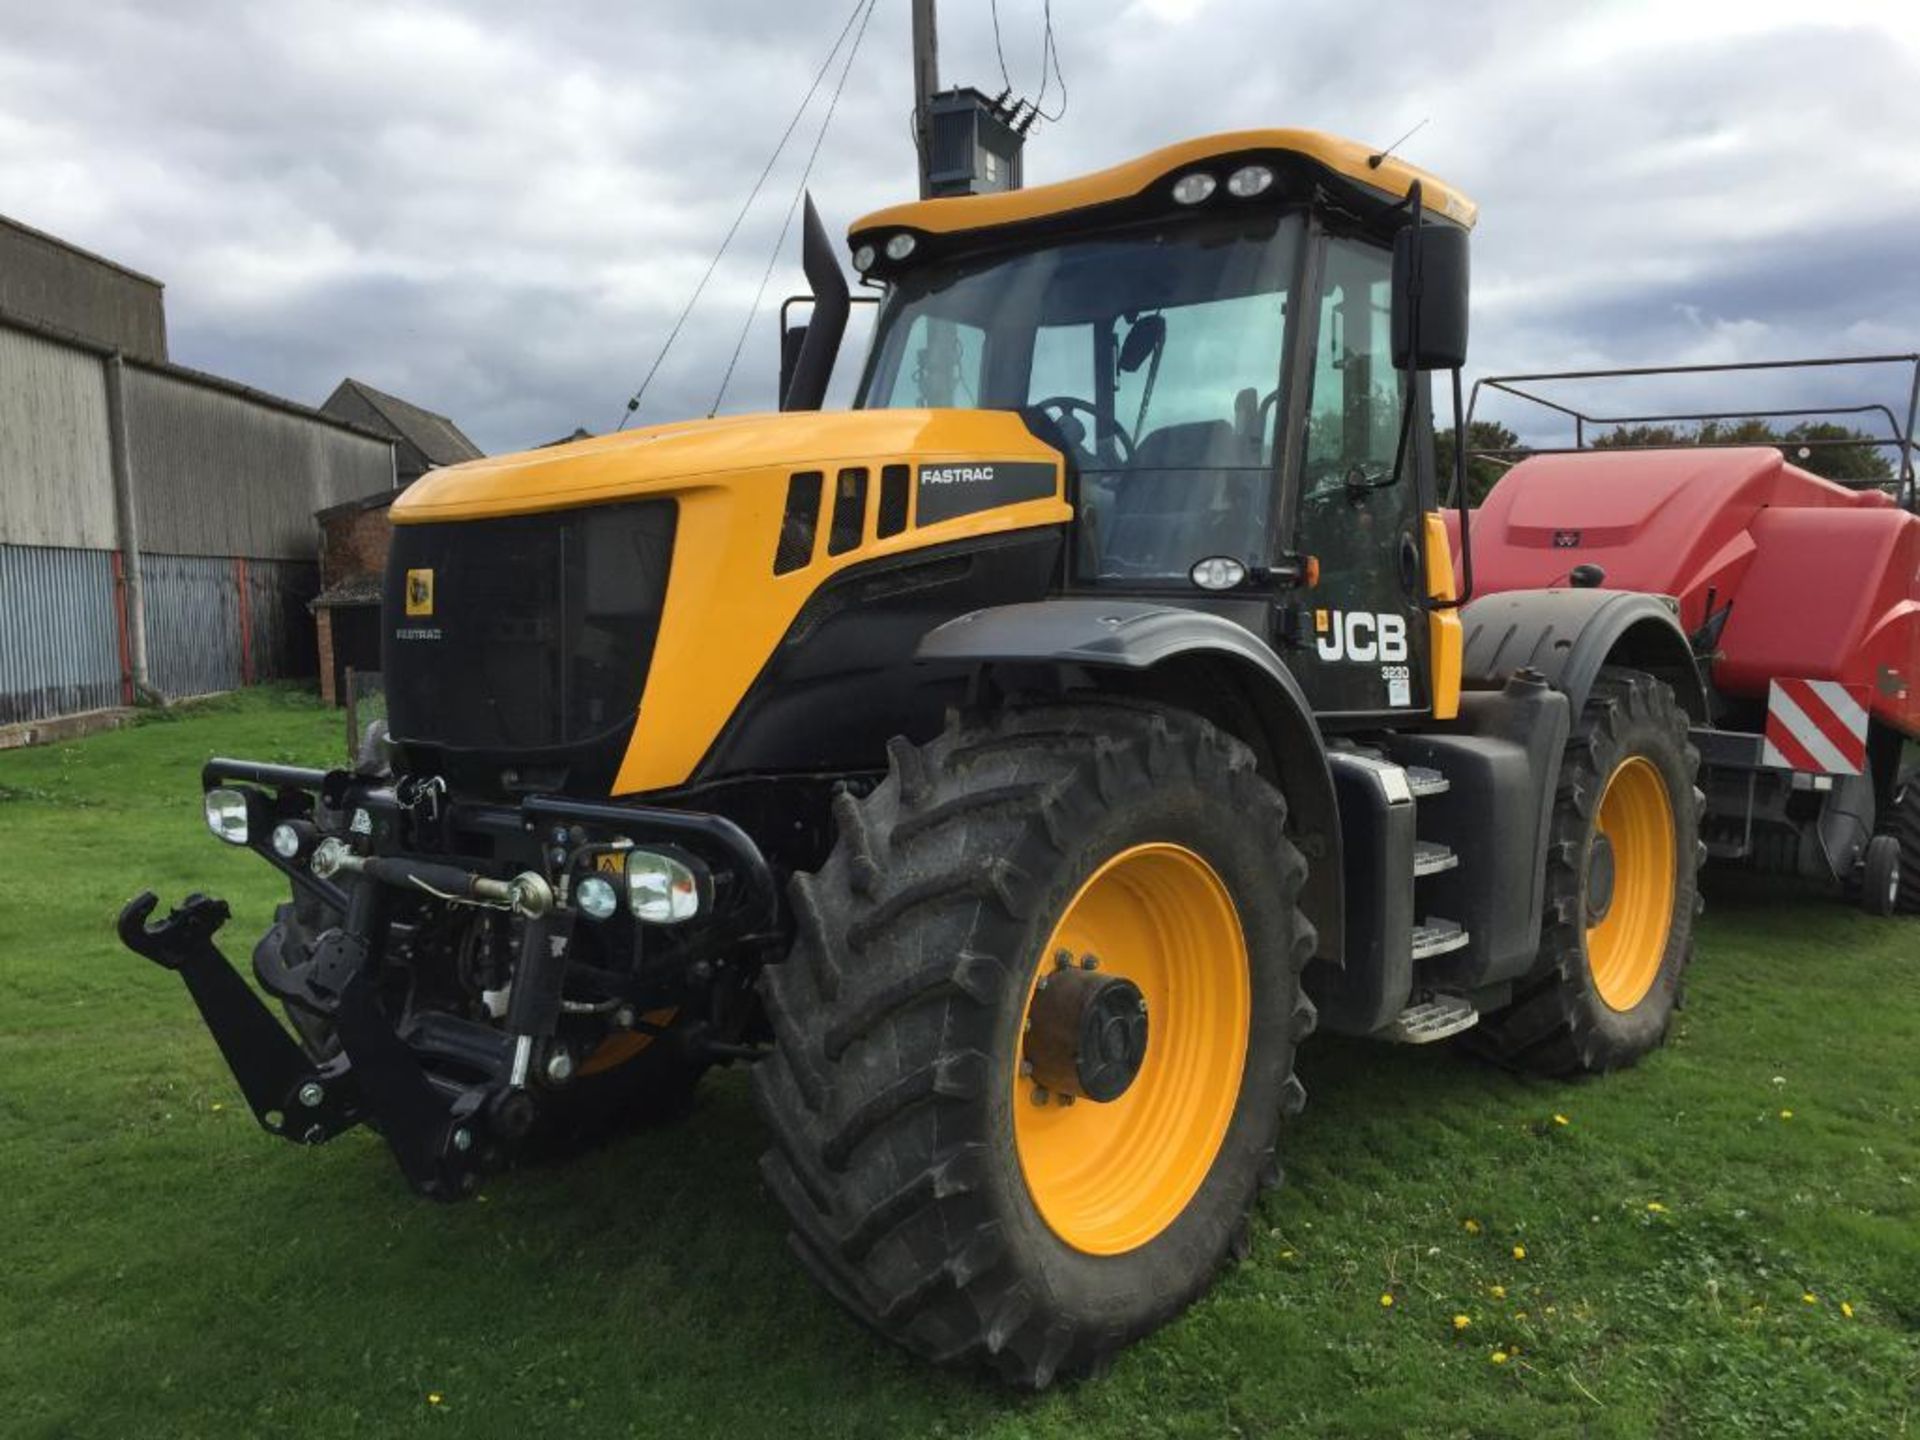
{"points": [[1193, 187]]}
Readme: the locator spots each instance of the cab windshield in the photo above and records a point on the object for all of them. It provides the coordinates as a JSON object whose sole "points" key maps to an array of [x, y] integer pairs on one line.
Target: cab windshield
{"points": [[1154, 355]]}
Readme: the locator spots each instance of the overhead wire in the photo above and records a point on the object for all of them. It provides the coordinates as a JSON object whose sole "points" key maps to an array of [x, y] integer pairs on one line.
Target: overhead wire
{"points": [[793, 207], [633, 403], [1000, 54], [1049, 63]]}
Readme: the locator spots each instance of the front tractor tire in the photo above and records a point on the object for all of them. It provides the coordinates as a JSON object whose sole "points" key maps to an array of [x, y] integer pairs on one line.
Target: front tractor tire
{"points": [[1623, 858], [1035, 1038]]}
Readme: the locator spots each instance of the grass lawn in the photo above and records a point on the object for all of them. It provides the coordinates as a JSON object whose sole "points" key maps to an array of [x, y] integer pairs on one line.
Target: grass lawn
{"points": [[1725, 1241]]}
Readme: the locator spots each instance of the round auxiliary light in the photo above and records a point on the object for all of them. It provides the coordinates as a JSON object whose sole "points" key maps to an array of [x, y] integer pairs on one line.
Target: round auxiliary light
{"points": [[1192, 188], [286, 841], [900, 246], [595, 897], [1249, 180], [863, 258], [227, 815], [1217, 572]]}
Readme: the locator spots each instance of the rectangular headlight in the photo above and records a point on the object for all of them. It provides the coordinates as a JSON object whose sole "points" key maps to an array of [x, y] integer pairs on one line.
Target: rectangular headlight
{"points": [[660, 889], [227, 815]]}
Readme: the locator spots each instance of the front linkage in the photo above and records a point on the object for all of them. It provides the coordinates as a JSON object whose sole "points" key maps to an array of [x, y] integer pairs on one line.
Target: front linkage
{"points": [[452, 1084]]}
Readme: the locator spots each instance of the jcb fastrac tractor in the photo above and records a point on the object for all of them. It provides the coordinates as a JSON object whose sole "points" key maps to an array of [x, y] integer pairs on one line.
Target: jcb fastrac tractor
{"points": [[1013, 768]]}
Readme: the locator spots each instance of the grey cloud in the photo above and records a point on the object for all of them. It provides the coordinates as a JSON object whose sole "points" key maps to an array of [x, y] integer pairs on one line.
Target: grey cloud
{"points": [[499, 209]]}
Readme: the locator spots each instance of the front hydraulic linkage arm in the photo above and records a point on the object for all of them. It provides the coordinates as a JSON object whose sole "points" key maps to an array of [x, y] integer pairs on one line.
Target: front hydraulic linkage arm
{"points": [[289, 1094]]}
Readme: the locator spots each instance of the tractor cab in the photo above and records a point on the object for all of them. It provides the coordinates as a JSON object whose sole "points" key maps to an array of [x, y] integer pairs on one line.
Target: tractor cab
{"points": [[1208, 334]]}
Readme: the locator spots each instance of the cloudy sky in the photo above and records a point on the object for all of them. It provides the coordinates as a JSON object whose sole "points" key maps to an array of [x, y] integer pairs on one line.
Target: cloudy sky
{"points": [[498, 209]]}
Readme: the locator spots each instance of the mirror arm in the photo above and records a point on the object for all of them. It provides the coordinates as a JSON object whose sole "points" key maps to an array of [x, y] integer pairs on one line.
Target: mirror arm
{"points": [[1463, 591]]}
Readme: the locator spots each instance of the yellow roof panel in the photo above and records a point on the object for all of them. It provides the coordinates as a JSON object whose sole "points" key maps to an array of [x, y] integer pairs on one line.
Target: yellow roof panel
{"points": [[1346, 158]]}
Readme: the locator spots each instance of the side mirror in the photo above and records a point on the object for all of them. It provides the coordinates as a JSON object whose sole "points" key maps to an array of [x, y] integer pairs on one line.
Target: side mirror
{"points": [[1430, 284]]}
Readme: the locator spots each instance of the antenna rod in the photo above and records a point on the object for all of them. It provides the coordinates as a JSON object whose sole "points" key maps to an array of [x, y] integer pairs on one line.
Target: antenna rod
{"points": [[1374, 162]]}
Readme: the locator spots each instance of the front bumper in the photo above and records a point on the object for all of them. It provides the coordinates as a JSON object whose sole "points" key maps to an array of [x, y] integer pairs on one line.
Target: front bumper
{"points": [[451, 1094]]}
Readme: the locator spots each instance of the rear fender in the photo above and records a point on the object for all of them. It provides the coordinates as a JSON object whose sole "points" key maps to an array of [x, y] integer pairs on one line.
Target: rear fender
{"points": [[1569, 635], [1190, 658]]}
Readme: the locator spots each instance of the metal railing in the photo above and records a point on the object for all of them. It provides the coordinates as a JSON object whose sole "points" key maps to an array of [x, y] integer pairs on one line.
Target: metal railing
{"points": [[1898, 436]]}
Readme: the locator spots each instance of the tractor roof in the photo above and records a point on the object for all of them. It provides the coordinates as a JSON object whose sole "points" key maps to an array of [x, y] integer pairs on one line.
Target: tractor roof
{"points": [[1305, 159]]}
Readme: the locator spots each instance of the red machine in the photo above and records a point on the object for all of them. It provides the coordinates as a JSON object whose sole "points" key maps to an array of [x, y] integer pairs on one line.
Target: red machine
{"points": [[1801, 595]]}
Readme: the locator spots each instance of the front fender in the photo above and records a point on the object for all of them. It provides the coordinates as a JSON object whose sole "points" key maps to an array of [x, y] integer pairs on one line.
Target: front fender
{"points": [[1568, 635], [1219, 665]]}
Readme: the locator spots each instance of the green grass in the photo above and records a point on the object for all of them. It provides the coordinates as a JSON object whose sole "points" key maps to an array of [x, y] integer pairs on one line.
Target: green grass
{"points": [[170, 1270]]}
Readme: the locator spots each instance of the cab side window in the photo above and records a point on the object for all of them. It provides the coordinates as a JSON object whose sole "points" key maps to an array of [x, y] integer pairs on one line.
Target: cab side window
{"points": [[1351, 512]]}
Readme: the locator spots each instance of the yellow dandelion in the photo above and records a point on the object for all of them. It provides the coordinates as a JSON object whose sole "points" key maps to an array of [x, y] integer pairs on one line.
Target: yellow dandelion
{"points": [[1386, 1302], [1519, 1252], [1786, 1114], [1499, 1292], [1810, 1298], [1462, 1322], [218, 1107], [1499, 1357], [433, 1397], [1472, 1227], [1286, 1254], [1561, 1120], [1846, 1309], [1656, 1207], [1520, 1315]]}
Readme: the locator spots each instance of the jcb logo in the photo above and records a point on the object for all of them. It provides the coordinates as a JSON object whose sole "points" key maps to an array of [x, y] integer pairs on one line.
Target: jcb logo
{"points": [[419, 592], [1357, 635]]}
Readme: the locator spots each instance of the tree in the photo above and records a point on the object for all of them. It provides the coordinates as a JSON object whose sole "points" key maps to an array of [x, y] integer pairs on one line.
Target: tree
{"points": [[1483, 470], [1850, 463]]}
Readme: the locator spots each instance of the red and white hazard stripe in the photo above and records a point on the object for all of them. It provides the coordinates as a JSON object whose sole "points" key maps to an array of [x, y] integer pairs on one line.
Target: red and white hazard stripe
{"points": [[1818, 726]]}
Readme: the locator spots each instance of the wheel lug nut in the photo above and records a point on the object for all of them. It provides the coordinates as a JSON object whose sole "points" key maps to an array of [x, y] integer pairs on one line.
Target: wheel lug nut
{"points": [[1062, 959], [1089, 962], [1039, 1095]]}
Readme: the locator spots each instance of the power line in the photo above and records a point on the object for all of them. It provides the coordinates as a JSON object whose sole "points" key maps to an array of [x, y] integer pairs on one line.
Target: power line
{"points": [[1000, 54], [633, 404], [1049, 61], [800, 191]]}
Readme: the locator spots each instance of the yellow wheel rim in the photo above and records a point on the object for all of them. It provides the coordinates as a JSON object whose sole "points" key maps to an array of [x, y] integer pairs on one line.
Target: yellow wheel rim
{"points": [[1109, 1177], [1625, 946]]}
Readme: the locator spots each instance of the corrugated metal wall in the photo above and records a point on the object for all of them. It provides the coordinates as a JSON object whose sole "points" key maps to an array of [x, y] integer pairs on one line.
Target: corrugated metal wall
{"points": [[59, 633], [225, 485], [56, 477], [198, 640], [219, 474]]}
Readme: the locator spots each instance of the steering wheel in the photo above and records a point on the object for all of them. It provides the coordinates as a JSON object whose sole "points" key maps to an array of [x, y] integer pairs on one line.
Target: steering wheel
{"points": [[1065, 405]]}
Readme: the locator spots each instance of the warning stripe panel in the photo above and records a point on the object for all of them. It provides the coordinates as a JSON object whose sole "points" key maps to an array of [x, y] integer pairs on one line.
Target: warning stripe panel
{"points": [[1816, 726]]}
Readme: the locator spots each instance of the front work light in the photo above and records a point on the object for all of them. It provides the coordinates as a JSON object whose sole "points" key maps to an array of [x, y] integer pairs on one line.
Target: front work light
{"points": [[1191, 189], [1249, 180], [660, 889], [1217, 572], [900, 246], [863, 259], [595, 897], [227, 815]]}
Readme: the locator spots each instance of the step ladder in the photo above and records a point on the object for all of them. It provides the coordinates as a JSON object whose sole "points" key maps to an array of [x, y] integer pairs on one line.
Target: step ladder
{"points": [[1433, 1015]]}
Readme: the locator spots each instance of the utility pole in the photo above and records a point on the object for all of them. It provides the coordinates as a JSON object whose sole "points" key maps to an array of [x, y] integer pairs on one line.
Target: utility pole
{"points": [[926, 80]]}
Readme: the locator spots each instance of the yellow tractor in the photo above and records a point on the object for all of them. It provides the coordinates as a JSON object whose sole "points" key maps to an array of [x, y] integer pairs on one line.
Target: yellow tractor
{"points": [[1011, 769]]}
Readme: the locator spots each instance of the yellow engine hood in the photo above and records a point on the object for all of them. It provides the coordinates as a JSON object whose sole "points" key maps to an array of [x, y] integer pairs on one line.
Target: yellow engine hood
{"points": [[726, 607], [678, 456]]}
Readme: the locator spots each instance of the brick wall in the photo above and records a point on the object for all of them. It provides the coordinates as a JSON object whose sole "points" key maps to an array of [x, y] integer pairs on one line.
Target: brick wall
{"points": [[353, 543]]}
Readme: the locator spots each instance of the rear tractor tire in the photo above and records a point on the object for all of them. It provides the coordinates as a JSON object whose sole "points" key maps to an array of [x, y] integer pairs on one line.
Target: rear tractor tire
{"points": [[1623, 857], [1035, 1038], [1903, 827]]}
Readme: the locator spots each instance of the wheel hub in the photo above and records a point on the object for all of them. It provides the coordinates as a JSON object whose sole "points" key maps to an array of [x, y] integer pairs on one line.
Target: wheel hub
{"points": [[1600, 878], [1087, 1035]]}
